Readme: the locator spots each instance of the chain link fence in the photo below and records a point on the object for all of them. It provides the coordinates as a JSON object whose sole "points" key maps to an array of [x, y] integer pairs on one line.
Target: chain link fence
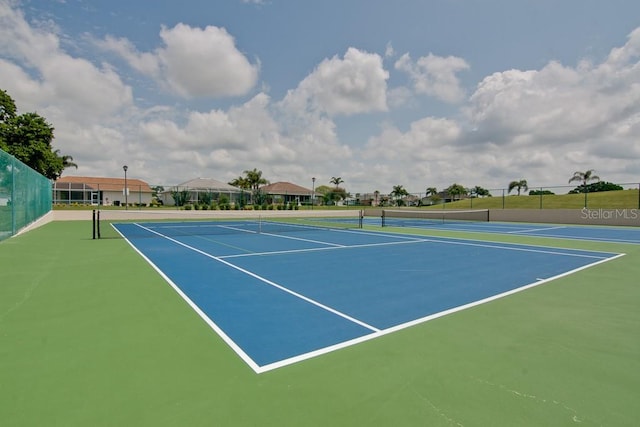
{"points": [[25, 195]]}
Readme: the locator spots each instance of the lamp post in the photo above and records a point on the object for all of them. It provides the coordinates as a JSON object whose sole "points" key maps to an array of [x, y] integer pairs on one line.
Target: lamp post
{"points": [[313, 192], [126, 190]]}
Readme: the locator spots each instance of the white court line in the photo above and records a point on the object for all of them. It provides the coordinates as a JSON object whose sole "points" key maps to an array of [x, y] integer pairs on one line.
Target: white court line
{"points": [[533, 230], [304, 240], [267, 281]]}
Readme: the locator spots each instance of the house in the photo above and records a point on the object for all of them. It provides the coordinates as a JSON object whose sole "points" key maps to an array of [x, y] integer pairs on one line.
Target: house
{"points": [[286, 192], [87, 190], [197, 189]]}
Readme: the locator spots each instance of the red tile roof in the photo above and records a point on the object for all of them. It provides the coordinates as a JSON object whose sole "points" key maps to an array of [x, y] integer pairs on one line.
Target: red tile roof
{"points": [[285, 188]]}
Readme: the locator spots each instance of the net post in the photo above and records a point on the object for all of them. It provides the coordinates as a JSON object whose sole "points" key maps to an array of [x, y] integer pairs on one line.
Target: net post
{"points": [[382, 217], [361, 218], [93, 223], [98, 223]]}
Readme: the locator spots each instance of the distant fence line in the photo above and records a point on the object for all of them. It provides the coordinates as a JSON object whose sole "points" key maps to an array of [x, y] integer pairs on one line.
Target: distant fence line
{"points": [[540, 197]]}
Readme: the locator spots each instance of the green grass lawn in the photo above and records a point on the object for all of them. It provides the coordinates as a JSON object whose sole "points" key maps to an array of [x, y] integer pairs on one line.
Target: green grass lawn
{"points": [[91, 335]]}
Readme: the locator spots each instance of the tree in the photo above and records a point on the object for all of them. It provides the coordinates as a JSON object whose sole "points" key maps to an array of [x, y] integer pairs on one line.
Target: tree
{"points": [[7, 107], [456, 190], [431, 191], [28, 138], [67, 161], [252, 180], [584, 178], [596, 187], [334, 195], [241, 183], [398, 193], [520, 185], [180, 197], [336, 181], [255, 179], [479, 191], [323, 189], [432, 194]]}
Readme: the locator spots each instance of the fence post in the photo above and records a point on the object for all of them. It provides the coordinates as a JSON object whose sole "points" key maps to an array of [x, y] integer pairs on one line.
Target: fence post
{"points": [[13, 195], [585, 196], [540, 198]]}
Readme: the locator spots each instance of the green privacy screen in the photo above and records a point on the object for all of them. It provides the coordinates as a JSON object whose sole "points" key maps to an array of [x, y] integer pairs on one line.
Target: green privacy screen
{"points": [[25, 195]]}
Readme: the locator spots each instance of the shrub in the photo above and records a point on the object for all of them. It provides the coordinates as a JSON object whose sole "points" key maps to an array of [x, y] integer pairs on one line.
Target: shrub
{"points": [[596, 187], [541, 193]]}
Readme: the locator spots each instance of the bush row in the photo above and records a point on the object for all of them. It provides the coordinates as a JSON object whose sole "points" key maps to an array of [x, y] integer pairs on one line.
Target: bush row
{"points": [[227, 206]]}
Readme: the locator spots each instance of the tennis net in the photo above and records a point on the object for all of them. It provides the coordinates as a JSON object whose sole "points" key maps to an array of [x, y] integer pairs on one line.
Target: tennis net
{"points": [[421, 218], [113, 224]]}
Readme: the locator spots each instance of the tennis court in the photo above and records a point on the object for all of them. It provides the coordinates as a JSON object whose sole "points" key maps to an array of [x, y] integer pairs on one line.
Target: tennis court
{"points": [[244, 322], [267, 291]]}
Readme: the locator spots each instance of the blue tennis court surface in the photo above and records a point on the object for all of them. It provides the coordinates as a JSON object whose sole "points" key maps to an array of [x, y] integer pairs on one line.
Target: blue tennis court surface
{"points": [[279, 298]]}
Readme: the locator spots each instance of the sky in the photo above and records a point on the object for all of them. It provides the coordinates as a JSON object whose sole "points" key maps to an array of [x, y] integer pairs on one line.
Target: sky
{"points": [[411, 92]]}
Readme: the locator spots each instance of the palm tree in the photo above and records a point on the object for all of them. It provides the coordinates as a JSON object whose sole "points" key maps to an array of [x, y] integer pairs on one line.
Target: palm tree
{"points": [[456, 190], [252, 180], [584, 177], [243, 184], [255, 179], [336, 181], [479, 191], [431, 191], [66, 160], [520, 185], [398, 192], [240, 182]]}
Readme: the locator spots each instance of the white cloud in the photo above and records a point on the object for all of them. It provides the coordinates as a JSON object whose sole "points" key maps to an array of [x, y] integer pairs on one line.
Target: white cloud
{"points": [[559, 104], [230, 141], [389, 51], [352, 85], [427, 139], [540, 125], [64, 82], [143, 62], [201, 62], [192, 62], [435, 76]]}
